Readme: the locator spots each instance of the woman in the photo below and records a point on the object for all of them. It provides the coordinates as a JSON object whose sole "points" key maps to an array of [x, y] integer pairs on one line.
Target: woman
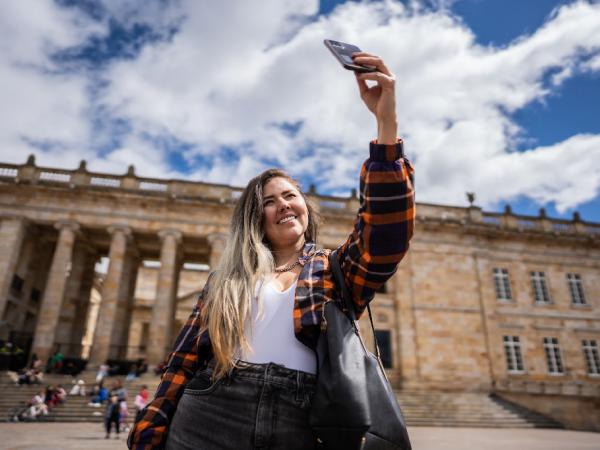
{"points": [[243, 371]]}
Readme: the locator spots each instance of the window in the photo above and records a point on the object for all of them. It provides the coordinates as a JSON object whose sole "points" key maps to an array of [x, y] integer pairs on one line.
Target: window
{"points": [[502, 284], [16, 285], [35, 295], [514, 358], [540, 290], [385, 347], [553, 358], [144, 336], [576, 288], [590, 353]]}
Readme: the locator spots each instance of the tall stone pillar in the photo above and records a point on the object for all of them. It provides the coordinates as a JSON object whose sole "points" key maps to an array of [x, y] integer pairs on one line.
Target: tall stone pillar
{"points": [[54, 292], [12, 234], [163, 311], [102, 346], [66, 322], [121, 333], [82, 303], [217, 243], [29, 260]]}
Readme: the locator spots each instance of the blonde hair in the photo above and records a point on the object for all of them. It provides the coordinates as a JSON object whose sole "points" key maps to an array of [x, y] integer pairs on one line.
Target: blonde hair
{"points": [[246, 259]]}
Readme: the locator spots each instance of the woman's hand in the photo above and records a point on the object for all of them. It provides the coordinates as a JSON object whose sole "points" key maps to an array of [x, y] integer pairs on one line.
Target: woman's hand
{"points": [[381, 98]]}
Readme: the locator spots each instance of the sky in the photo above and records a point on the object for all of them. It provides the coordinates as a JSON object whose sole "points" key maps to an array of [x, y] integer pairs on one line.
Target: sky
{"points": [[496, 97]]}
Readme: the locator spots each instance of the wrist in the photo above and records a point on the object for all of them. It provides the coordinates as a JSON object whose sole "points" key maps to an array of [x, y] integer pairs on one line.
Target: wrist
{"points": [[387, 132]]}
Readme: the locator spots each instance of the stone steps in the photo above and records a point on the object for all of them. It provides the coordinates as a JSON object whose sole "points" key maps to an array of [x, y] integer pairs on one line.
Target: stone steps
{"points": [[420, 408], [456, 409], [75, 408]]}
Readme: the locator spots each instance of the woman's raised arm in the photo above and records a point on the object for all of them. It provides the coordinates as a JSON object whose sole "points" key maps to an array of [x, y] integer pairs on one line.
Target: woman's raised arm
{"points": [[385, 221]]}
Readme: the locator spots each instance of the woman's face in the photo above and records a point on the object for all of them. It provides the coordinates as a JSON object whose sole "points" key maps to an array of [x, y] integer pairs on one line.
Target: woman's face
{"points": [[285, 215]]}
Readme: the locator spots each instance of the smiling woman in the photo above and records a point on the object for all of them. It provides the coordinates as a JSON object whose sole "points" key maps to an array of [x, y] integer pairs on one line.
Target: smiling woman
{"points": [[243, 372]]}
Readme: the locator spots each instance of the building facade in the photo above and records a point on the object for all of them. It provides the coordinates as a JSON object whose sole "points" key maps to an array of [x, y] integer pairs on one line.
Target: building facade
{"points": [[483, 301]]}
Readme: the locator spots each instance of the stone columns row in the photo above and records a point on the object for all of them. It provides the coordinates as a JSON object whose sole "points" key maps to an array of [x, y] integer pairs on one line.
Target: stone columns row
{"points": [[64, 305]]}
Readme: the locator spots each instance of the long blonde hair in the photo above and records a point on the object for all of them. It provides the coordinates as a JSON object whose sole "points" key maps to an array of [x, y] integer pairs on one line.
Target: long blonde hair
{"points": [[246, 259]]}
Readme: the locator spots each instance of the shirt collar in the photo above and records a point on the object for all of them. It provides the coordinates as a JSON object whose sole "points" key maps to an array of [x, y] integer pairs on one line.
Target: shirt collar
{"points": [[307, 252]]}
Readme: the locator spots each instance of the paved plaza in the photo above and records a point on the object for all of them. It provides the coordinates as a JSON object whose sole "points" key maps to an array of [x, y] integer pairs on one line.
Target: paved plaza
{"points": [[71, 436]]}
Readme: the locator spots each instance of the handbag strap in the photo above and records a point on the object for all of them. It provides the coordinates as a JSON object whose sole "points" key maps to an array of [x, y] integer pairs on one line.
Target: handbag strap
{"points": [[348, 304]]}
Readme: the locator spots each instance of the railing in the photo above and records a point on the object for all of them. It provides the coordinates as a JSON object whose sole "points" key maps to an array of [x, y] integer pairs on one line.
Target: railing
{"points": [[492, 220], [562, 227], [30, 173], [527, 224], [153, 186], [333, 204], [60, 177], [105, 182], [577, 388], [8, 172]]}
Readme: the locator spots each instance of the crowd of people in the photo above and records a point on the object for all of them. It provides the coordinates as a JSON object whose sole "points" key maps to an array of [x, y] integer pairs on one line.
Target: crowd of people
{"points": [[113, 398], [41, 403]]}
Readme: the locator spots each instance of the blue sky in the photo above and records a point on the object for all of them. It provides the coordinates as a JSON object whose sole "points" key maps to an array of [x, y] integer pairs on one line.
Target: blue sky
{"points": [[499, 97], [572, 109]]}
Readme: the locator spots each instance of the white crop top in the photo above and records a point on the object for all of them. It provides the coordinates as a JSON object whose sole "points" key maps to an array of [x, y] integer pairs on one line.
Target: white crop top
{"points": [[272, 338]]}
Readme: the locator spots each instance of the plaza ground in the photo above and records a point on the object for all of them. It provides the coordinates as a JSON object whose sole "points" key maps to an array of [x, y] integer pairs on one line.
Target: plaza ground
{"points": [[71, 436]]}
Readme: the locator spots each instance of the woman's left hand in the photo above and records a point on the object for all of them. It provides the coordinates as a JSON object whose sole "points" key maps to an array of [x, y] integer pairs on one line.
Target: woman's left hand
{"points": [[380, 98]]}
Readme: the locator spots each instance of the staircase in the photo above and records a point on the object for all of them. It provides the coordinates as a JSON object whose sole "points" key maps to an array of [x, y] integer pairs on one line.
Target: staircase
{"points": [[420, 407], [75, 408], [467, 409]]}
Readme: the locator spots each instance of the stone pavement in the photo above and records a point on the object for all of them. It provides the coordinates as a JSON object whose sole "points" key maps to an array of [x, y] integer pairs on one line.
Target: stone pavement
{"points": [[90, 436]]}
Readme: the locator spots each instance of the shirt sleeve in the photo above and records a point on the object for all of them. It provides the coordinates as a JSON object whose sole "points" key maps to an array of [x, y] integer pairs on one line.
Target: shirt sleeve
{"points": [[384, 224], [151, 425]]}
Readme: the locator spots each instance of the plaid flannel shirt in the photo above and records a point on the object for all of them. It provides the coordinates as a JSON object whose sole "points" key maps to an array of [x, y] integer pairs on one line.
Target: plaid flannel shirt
{"points": [[379, 240]]}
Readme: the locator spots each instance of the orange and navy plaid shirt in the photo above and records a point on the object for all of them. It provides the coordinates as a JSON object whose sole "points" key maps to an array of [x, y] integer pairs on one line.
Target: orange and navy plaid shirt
{"points": [[379, 240]]}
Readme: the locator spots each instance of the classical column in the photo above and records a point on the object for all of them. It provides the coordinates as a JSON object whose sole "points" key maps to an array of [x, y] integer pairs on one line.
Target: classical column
{"points": [[12, 234], [29, 260], [82, 302], [217, 243], [163, 311], [121, 333], [54, 292], [66, 321], [111, 290]]}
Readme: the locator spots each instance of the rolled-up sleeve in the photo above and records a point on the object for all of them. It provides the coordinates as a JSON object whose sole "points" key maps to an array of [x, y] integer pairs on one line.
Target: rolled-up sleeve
{"points": [[384, 224], [151, 426]]}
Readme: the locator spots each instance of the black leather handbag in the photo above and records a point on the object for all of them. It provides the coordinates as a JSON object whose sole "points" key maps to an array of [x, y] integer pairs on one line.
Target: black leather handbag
{"points": [[354, 406]]}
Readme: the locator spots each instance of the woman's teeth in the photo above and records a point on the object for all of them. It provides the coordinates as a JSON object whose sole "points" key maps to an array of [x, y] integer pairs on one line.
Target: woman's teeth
{"points": [[287, 219]]}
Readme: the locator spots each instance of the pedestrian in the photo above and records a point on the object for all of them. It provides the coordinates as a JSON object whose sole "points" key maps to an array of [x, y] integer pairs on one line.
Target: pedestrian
{"points": [[100, 397], [37, 405], [119, 390], [78, 388], [132, 373], [141, 399], [112, 416], [102, 372], [243, 370]]}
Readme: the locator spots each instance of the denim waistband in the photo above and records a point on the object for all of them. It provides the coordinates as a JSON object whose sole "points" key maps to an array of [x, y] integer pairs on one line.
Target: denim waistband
{"points": [[271, 372]]}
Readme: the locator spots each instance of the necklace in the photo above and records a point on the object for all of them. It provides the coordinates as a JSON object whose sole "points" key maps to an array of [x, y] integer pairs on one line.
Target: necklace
{"points": [[288, 267]]}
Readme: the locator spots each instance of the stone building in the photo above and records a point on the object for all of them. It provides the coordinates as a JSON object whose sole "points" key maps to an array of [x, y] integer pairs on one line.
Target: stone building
{"points": [[493, 302]]}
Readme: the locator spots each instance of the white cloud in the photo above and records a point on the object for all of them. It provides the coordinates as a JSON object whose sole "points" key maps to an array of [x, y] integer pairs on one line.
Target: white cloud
{"points": [[39, 103], [233, 72]]}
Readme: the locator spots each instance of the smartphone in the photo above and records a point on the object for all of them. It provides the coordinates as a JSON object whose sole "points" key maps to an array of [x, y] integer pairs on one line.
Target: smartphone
{"points": [[343, 53]]}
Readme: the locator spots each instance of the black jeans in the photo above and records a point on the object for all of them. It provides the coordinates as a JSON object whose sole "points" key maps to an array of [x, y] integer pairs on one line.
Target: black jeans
{"points": [[109, 421], [257, 406]]}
